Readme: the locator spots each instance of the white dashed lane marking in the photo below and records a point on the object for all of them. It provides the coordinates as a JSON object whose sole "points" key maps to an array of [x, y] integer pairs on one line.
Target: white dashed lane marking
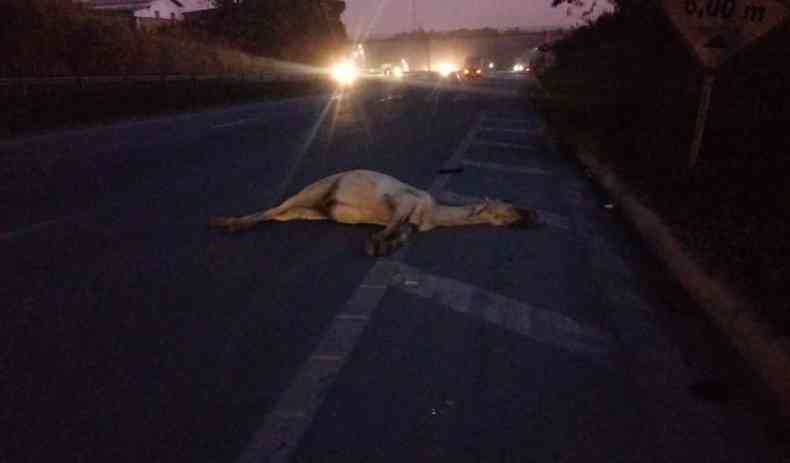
{"points": [[285, 425], [455, 161], [519, 317], [390, 98], [512, 146], [507, 120], [504, 168], [508, 130], [27, 230]]}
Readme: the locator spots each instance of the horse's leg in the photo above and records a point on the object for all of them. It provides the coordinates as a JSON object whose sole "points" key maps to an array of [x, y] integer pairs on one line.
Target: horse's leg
{"points": [[304, 205], [397, 232], [386, 246]]}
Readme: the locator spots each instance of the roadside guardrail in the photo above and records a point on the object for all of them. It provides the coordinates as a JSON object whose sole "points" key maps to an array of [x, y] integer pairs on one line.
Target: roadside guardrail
{"points": [[110, 79]]}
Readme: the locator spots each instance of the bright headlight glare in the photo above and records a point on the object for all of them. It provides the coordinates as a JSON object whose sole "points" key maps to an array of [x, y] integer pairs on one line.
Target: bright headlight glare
{"points": [[345, 73], [445, 69]]}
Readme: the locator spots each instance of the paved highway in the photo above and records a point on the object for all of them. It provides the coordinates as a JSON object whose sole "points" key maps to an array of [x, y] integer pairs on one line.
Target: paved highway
{"points": [[132, 332]]}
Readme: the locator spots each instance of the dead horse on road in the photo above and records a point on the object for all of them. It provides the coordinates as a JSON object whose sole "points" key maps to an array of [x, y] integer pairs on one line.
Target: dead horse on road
{"points": [[368, 197]]}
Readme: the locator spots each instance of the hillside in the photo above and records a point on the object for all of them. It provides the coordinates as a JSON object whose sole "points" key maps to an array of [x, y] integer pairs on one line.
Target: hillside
{"points": [[58, 37]]}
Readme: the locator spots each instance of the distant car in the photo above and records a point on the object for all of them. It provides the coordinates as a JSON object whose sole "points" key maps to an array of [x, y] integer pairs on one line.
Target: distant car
{"points": [[394, 72], [473, 68], [521, 68], [472, 72]]}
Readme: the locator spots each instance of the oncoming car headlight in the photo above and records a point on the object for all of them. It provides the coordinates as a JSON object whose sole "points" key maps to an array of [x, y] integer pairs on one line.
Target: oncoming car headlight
{"points": [[445, 69], [345, 73]]}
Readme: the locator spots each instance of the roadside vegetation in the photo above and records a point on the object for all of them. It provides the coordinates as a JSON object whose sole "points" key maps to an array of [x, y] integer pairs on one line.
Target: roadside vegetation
{"points": [[625, 88], [234, 46], [59, 37], [466, 32]]}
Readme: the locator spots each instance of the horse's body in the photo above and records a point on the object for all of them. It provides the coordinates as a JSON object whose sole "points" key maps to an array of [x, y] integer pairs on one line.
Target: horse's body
{"points": [[363, 196]]}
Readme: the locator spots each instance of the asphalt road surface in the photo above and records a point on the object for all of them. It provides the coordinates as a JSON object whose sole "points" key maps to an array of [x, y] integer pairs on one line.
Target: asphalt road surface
{"points": [[133, 333]]}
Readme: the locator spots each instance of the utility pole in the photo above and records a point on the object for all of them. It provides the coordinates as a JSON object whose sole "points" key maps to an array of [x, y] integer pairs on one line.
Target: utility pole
{"points": [[414, 15], [426, 37]]}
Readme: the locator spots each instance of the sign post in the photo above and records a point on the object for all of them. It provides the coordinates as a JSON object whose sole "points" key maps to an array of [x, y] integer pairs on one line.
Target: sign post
{"points": [[702, 115], [715, 30]]}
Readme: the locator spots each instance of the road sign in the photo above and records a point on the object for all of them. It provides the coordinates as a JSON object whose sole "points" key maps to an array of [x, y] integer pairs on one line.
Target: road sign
{"points": [[717, 29]]}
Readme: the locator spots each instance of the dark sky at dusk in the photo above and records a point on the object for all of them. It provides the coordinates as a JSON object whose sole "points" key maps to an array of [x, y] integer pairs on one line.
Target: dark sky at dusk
{"points": [[384, 17]]}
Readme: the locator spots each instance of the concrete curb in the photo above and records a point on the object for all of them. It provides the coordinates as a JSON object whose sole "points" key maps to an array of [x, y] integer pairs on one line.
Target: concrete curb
{"points": [[767, 353]]}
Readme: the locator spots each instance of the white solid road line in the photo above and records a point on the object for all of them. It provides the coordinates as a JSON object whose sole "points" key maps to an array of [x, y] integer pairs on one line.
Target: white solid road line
{"points": [[285, 425], [41, 226], [235, 123], [287, 422]]}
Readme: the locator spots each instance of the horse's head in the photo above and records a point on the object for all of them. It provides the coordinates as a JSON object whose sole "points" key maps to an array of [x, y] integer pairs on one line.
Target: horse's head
{"points": [[500, 213]]}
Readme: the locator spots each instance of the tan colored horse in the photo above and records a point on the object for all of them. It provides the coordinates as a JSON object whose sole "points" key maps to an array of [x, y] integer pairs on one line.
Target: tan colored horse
{"points": [[363, 196]]}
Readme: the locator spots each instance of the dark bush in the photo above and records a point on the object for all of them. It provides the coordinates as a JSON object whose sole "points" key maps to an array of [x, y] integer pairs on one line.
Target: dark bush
{"points": [[631, 90]]}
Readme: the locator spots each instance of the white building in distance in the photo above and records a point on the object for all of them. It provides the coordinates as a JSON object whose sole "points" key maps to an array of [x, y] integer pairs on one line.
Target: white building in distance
{"points": [[155, 11]]}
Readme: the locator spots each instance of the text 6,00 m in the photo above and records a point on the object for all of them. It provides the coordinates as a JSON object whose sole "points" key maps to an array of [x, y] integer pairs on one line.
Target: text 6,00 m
{"points": [[725, 9]]}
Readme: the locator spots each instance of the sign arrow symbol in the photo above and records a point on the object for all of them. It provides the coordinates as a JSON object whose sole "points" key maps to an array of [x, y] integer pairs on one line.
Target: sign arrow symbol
{"points": [[718, 42]]}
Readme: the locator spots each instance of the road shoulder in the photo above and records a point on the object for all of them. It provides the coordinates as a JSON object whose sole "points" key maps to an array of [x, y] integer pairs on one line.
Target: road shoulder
{"points": [[766, 352]]}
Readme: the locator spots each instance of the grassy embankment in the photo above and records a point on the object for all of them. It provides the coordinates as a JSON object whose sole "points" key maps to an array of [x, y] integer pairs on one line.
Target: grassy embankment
{"points": [[45, 38], [626, 90]]}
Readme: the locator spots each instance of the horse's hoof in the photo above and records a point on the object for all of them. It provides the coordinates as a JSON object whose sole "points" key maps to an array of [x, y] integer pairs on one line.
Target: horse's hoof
{"points": [[380, 248], [370, 248]]}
